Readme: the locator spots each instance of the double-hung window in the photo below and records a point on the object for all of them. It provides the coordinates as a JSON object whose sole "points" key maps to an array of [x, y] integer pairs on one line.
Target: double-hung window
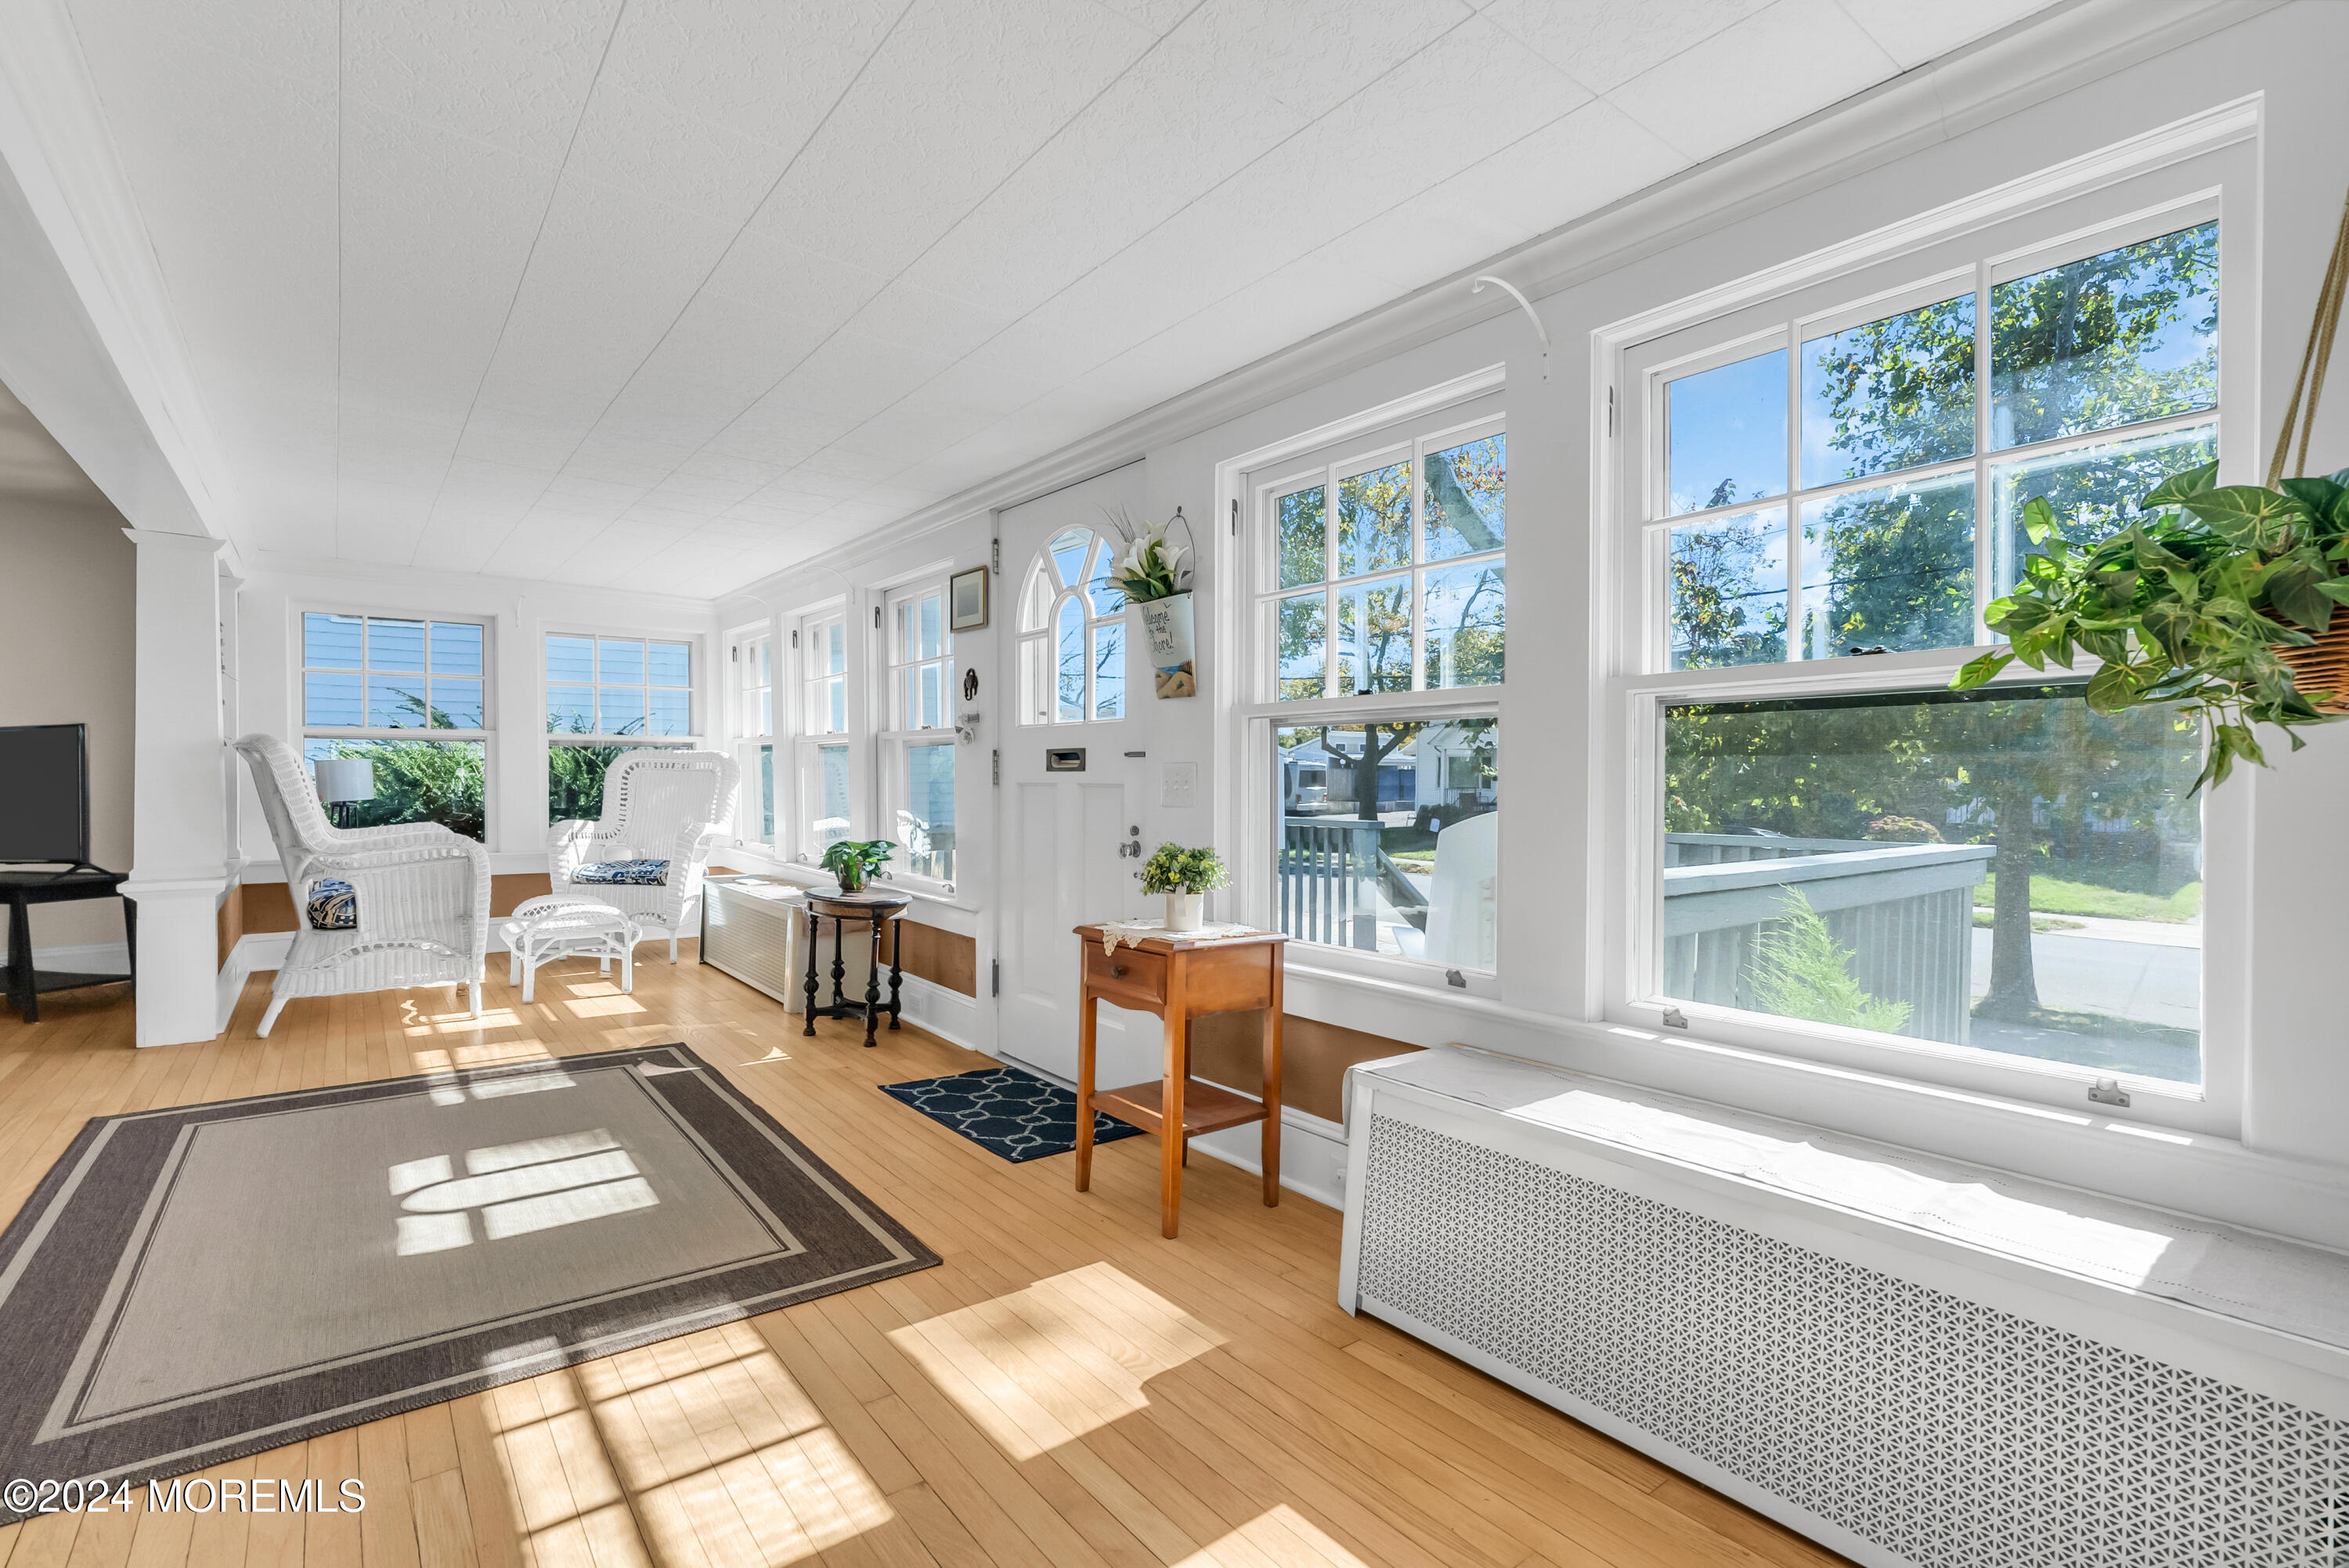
{"points": [[1376, 635], [1822, 494], [373, 688], [917, 748], [754, 676], [824, 803], [605, 695]]}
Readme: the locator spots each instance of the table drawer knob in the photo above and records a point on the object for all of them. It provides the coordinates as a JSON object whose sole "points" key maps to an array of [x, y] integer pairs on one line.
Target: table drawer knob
{"points": [[1115, 970]]}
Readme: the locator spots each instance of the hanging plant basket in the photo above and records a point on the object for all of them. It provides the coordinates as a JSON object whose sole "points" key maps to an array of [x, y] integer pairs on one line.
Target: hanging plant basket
{"points": [[2323, 666]]}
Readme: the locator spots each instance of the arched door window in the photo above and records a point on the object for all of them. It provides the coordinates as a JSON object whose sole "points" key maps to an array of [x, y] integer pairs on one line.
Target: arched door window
{"points": [[1073, 633]]}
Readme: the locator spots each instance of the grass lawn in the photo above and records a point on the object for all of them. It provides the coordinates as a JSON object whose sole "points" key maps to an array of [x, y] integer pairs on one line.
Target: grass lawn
{"points": [[2051, 896]]}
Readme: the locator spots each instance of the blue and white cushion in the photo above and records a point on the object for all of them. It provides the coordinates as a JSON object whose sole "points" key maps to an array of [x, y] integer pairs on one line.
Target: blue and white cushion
{"points": [[334, 905], [632, 873]]}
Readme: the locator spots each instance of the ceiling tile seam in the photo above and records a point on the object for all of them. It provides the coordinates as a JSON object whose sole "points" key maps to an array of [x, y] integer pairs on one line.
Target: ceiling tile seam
{"points": [[750, 217], [1173, 217], [522, 280], [1010, 175]]}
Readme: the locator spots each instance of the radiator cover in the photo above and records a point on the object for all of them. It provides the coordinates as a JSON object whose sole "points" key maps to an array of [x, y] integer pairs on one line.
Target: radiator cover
{"points": [[1917, 1427]]}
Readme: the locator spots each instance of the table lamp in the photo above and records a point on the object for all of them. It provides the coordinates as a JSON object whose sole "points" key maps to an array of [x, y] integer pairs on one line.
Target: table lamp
{"points": [[343, 780]]}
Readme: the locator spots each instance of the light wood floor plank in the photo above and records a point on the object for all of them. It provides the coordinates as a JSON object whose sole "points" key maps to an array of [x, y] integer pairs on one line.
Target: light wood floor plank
{"points": [[1067, 1388]]}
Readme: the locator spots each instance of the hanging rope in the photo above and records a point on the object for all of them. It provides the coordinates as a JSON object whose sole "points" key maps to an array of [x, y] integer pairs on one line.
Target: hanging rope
{"points": [[2315, 357]]}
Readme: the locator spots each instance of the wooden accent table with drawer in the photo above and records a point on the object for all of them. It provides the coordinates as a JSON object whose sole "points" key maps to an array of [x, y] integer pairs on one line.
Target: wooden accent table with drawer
{"points": [[1179, 977]]}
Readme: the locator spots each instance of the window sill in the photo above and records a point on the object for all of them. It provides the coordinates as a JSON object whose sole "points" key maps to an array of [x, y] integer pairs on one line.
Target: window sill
{"points": [[2192, 1172]]}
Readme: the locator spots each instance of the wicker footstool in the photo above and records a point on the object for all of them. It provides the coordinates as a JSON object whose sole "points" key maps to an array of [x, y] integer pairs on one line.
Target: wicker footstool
{"points": [[564, 925]]}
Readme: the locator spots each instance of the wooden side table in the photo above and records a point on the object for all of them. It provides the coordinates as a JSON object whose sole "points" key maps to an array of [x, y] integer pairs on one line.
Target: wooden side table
{"points": [[878, 909], [22, 889], [1180, 977]]}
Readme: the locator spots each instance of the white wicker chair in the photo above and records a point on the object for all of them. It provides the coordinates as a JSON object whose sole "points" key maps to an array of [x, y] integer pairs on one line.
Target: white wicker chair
{"points": [[420, 893], [662, 809]]}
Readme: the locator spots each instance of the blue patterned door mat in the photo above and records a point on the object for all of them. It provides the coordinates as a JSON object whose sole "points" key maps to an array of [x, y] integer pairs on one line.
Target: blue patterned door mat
{"points": [[1013, 1115]]}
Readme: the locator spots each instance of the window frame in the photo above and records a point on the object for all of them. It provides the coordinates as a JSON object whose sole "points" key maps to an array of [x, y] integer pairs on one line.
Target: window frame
{"points": [[1464, 410], [2013, 232], [808, 743], [897, 739], [751, 653], [1103, 549], [695, 711], [485, 736]]}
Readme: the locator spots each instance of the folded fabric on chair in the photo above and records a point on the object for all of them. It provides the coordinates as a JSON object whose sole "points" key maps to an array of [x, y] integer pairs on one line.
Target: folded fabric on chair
{"points": [[334, 905], [633, 873]]}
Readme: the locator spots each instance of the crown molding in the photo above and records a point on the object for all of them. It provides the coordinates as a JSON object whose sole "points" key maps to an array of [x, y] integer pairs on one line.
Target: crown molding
{"points": [[2026, 63], [283, 563]]}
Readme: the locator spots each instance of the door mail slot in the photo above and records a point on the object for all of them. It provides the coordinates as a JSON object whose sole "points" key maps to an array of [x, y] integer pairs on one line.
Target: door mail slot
{"points": [[1064, 759]]}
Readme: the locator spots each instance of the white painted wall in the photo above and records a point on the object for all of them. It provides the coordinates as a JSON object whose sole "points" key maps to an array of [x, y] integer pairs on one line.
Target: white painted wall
{"points": [[66, 644], [1831, 180]]}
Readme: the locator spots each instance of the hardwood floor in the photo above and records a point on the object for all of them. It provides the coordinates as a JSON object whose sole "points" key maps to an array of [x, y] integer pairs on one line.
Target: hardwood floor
{"points": [[1067, 1388]]}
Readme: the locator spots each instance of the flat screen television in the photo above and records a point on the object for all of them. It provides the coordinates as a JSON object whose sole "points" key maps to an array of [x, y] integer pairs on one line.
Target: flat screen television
{"points": [[45, 793]]}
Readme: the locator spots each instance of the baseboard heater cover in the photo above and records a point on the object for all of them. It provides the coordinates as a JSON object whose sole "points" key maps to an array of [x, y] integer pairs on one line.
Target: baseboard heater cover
{"points": [[1898, 1424]]}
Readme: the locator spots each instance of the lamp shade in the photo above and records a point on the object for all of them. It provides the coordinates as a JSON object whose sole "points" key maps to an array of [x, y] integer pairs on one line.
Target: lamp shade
{"points": [[345, 779]]}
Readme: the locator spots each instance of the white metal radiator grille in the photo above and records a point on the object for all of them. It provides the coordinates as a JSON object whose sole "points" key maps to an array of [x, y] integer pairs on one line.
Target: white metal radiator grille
{"points": [[1942, 1431]]}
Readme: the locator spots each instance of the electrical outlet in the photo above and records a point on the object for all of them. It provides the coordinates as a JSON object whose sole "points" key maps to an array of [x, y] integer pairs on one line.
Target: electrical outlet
{"points": [[1178, 783]]}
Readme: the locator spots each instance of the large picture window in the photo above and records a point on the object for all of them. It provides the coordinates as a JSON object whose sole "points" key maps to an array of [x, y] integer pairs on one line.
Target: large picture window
{"points": [[369, 683], [2001, 871], [605, 695], [1378, 619]]}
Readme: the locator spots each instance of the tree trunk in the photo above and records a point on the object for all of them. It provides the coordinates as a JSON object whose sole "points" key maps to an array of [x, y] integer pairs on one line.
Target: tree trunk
{"points": [[2013, 984]]}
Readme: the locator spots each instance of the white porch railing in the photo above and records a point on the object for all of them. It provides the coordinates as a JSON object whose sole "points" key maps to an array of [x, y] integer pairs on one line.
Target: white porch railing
{"points": [[1334, 881], [1905, 911]]}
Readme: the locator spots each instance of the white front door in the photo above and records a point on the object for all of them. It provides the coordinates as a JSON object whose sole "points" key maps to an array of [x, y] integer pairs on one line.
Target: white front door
{"points": [[1070, 805]]}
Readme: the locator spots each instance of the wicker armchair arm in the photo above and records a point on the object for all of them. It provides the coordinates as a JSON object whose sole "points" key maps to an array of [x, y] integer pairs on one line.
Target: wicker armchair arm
{"points": [[572, 845], [443, 900]]}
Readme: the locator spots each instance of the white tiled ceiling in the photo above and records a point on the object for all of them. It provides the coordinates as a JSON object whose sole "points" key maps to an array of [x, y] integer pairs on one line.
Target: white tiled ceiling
{"points": [[671, 294]]}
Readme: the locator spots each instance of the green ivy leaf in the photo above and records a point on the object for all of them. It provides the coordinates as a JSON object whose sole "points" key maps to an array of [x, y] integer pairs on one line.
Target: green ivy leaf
{"points": [[2293, 589], [2038, 519], [2111, 689], [2249, 516], [2172, 625], [2174, 490], [1981, 671]]}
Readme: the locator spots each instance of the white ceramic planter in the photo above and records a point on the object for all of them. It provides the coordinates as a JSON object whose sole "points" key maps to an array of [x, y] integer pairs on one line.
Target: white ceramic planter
{"points": [[1183, 911]]}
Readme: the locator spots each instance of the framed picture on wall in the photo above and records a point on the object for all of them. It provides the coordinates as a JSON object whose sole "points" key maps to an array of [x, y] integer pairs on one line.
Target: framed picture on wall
{"points": [[968, 596]]}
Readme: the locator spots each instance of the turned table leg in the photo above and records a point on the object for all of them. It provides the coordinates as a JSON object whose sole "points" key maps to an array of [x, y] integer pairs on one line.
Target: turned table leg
{"points": [[872, 987], [815, 935], [1086, 1005]]}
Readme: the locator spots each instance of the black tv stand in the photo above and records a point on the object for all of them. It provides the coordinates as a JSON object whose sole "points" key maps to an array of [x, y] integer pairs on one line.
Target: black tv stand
{"points": [[23, 886]]}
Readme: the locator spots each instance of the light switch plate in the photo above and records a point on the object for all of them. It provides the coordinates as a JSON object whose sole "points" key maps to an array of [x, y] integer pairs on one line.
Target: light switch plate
{"points": [[1178, 783]]}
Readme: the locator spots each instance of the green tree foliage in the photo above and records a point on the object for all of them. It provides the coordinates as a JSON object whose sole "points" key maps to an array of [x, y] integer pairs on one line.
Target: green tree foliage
{"points": [[421, 780], [1801, 972], [2026, 769], [1727, 609]]}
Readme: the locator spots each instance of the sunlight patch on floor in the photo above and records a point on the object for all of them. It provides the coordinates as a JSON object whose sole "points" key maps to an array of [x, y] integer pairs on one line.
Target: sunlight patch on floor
{"points": [[1277, 1533], [700, 1448], [603, 1007], [1095, 1321]]}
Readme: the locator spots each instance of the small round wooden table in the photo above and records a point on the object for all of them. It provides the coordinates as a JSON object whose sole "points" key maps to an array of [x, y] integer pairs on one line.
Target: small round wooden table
{"points": [[877, 909]]}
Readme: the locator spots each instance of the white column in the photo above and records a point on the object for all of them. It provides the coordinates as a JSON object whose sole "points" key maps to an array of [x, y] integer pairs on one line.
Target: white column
{"points": [[178, 849]]}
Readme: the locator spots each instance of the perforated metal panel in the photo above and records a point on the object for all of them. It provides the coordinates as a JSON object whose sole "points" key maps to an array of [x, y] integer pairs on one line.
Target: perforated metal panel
{"points": [[1945, 1431]]}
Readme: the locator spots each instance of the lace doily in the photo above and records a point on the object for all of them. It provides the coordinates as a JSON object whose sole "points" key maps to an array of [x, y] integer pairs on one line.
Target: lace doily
{"points": [[1132, 932]]}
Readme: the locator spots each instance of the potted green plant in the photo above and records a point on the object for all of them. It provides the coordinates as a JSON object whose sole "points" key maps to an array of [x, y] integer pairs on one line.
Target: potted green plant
{"points": [[1185, 877], [2220, 599], [853, 860], [1151, 572]]}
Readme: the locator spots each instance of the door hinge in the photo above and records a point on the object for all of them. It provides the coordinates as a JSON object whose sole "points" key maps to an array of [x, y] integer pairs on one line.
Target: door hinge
{"points": [[1235, 517], [1610, 410], [998, 767], [995, 981], [796, 636], [876, 617], [995, 556]]}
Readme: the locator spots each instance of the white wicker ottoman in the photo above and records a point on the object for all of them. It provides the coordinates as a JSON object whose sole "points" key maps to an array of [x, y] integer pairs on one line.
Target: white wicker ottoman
{"points": [[564, 925]]}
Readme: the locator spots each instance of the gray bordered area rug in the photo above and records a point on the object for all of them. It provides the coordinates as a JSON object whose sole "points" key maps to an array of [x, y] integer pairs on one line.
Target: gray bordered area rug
{"points": [[193, 1285]]}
